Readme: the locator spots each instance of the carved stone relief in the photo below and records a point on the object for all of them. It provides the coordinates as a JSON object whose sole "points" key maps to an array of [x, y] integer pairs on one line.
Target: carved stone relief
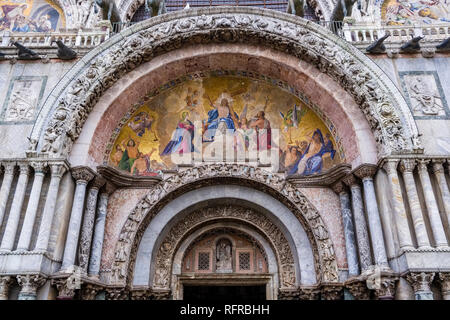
{"points": [[23, 99]]}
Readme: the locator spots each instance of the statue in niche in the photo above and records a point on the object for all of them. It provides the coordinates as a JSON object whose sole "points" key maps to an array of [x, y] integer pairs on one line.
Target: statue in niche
{"points": [[223, 256]]}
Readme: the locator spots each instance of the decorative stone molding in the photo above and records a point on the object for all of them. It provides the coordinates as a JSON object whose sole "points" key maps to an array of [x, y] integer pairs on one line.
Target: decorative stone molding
{"points": [[271, 183], [5, 282], [82, 174], [320, 180], [73, 99], [166, 252], [121, 179], [29, 283]]}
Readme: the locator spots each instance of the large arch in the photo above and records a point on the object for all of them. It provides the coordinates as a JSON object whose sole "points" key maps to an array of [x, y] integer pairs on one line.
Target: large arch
{"points": [[65, 111]]}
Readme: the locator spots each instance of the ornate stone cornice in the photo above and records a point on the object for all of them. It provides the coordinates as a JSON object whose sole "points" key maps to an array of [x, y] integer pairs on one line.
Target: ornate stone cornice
{"points": [[320, 180], [30, 283], [407, 165], [420, 281], [71, 102], [124, 180], [82, 174], [365, 171]]}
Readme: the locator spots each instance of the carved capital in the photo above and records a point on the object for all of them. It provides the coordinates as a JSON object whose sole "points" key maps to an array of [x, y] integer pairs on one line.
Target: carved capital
{"points": [[420, 281], [390, 166], [40, 167], [338, 187], [98, 182], [350, 180], [407, 165], [82, 174], [109, 188], [57, 169], [306, 293], [444, 280], [24, 168], [89, 291], [30, 283], [141, 294], [5, 282], [117, 294], [9, 167], [288, 294], [423, 164], [66, 288], [160, 294], [438, 165], [332, 292], [358, 289], [386, 289], [365, 171]]}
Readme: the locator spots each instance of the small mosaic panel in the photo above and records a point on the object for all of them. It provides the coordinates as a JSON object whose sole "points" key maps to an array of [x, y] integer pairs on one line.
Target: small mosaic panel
{"points": [[424, 94]]}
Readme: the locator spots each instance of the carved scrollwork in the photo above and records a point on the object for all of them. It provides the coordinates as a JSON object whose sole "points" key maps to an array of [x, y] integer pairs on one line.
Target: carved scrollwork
{"points": [[147, 208], [307, 42]]}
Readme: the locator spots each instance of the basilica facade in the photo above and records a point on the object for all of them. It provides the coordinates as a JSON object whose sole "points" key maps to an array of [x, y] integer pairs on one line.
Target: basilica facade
{"points": [[279, 150]]}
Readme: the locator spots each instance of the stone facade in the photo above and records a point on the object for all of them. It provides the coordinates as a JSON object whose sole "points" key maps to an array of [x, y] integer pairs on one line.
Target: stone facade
{"points": [[376, 226]]}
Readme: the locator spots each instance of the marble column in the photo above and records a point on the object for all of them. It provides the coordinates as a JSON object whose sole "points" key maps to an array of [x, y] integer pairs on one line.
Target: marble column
{"points": [[87, 228], [57, 171], [99, 231], [29, 285], [40, 169], [401, 220], [421, 281], [5, 282], [349, 230], [362, 235], [439, 174], [82, 175], [6, 187], [365, 173], [407, 167], [431, 204], [444, 279], [12, 225]]}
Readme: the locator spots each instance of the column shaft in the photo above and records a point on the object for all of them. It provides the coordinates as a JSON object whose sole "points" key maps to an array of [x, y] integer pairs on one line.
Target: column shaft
{"points": [[401, 220], [349, 234], [407, 167], [376, 231], [439, 174], [97, 242], [12, 225], [6, 188], [57, 171], [432, 207], [33, 203]]}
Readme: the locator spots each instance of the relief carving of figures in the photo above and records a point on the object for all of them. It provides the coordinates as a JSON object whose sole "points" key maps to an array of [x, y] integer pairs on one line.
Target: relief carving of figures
{"points": [[25, 93], [424, 96]]}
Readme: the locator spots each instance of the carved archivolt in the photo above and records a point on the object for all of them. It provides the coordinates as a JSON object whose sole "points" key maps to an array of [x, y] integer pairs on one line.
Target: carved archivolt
{"points": [[73, 99], [167, 250], [274, 184]]}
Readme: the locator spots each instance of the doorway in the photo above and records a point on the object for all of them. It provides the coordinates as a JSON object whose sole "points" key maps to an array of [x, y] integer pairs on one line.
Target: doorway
{"points": [[223, 293]]}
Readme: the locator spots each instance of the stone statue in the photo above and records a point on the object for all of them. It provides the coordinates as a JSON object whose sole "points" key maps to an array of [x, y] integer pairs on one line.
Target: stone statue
{"points": [[223, 256]]}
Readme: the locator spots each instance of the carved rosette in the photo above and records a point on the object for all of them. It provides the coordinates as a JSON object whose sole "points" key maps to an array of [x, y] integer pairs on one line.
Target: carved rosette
{"points": [[382, 105], [29, 284], [141, 216], [82, 174], [5, 282], [420, 281]]}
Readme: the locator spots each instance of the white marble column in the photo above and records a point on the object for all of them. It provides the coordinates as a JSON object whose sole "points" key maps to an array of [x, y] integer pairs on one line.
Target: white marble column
{"points": [[5, 282], [431, 204], [12, 225], [444, 279], [40, 169], [57, 171], [6, 187], [407, 167], [439, 174], [365, 173], [401, 220], [362, 235], [87, 228], [82, 175], [349, 230], [29, 286], [421, 281], [99, 231]]}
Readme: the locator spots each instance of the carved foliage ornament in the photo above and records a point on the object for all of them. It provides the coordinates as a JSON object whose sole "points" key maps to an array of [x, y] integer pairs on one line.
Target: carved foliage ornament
{"points": [[146, 209], [169, 245], [391, 131]]}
